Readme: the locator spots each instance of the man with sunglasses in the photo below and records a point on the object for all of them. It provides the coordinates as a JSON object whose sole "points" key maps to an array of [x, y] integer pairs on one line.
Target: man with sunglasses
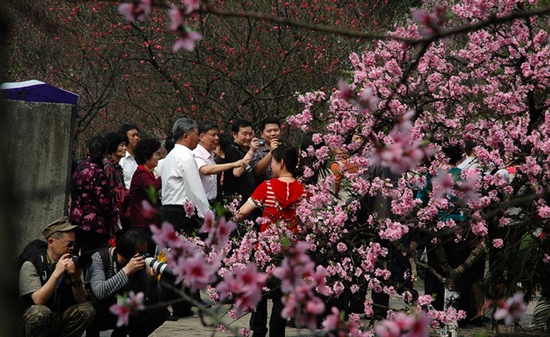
{"points": [[51, 287]]}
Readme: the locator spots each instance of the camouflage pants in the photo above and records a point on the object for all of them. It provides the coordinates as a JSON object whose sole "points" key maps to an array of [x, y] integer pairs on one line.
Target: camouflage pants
{"points": [[40, 321]]}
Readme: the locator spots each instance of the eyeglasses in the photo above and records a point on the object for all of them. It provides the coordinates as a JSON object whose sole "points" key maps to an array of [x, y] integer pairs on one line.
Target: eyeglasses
{"points": [[68, 243]]}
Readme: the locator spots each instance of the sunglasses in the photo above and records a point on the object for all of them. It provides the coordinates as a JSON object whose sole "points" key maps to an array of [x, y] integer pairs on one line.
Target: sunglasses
{"points": [[68, 243]]}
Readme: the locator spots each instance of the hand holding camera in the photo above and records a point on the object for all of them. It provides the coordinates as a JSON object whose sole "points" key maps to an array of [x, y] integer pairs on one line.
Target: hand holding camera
{"points": [[255, 144], [273, 144], [135, 264], [63, 265]]}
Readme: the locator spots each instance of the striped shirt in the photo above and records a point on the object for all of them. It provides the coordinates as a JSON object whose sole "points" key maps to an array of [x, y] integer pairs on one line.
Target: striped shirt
{"points": [[279, 200], [115, 281]]}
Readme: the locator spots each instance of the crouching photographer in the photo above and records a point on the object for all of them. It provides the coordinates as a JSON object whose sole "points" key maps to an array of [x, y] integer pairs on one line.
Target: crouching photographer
{"points": [[117, 271], [51, 287]]}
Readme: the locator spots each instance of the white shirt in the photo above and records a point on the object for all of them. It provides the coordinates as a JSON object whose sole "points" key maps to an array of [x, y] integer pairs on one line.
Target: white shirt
{"points": [[209, 182], [157, 170], [469, 163], [181, 181], [129, 166]]}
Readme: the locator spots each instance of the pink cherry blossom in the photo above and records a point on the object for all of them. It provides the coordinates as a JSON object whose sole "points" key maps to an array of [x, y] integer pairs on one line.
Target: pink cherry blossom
{"points": [[498, 243], [127, 305], [189, 208], [148, 210], [191, 6], [187, 41], [195, 271], [176, 17], [244, 286], [511, 309], [166, 236], [135, 10]]}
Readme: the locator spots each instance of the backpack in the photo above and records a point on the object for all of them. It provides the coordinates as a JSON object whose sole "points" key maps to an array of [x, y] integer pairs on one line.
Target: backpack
{"points": [[30, 252], [35, 252]]}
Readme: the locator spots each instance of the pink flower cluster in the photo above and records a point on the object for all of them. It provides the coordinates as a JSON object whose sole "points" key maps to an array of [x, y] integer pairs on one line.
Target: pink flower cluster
{"points": [[401, 151], [133, 11], [300, 280], [335, 326], [433, 21], [404, 325], [126, 306], [243, 286], [218, 231], [187, 38], [511, 310], [188, 262]]}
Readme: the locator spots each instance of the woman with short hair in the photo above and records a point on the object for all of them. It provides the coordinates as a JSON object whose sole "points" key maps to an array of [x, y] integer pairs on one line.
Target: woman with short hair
{"points": [[145, 187], [116, 150]]}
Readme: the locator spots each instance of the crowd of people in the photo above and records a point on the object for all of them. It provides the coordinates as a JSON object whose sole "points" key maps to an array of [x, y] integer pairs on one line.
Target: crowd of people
{"points": [[118, 191], [122, 187]]}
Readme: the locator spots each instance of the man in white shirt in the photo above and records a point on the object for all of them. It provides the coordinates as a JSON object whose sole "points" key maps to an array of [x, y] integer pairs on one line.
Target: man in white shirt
{"points": [[128, 163], [204, 156], [181, 183], [180, 179]]}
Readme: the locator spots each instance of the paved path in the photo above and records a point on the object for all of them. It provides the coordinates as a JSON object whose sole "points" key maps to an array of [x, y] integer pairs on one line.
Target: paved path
{"points": [[192, 326]]}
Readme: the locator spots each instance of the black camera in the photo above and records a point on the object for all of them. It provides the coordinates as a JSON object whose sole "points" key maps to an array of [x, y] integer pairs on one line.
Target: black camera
{"points": [[262, 142], [160, 267], [83, 260]]}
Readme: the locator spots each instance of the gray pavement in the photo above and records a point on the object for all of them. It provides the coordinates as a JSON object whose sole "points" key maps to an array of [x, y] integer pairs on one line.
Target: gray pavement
{"points": [[195, 326]]}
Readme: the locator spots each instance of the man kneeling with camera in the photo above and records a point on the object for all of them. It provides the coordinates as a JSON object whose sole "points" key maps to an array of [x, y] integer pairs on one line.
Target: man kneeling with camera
{"points": [[50, 285], [117, 271]]}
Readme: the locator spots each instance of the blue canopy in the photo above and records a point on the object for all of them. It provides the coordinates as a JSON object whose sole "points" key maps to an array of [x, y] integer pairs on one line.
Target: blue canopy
{"points": [[37, 91]]}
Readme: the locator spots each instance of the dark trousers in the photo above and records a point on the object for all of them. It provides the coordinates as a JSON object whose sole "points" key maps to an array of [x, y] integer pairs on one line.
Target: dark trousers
{"points": [[398, 265], [258, 320], [456, 254], [141, 325], [175, 215]]}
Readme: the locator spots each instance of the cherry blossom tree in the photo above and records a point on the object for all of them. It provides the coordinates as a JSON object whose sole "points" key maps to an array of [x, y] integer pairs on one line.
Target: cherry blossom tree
{"points": [[463, 71]]}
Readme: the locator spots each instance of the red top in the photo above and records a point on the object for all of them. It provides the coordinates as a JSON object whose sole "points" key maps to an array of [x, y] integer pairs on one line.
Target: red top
{"points": [[142, 180], [279, 200]]}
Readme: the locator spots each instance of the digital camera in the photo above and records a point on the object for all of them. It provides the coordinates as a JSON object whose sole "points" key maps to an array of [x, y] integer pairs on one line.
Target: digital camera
{"points": [[83, 260]]}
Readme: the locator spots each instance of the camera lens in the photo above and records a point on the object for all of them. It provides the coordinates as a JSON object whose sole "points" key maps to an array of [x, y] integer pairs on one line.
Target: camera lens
{"points": [[159, 267]]}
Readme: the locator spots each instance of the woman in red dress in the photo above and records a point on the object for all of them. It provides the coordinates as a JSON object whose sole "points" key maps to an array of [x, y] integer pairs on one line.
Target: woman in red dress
{"points": [[279, 198]]}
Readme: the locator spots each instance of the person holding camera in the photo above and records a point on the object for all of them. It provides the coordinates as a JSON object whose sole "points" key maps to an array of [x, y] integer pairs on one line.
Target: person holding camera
{"points": [[270, 131], [51, 287], [119, 270], [240, 180]]}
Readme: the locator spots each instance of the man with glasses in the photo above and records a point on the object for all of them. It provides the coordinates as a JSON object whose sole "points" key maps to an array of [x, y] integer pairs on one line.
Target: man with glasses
{"points": [[51, 287]]}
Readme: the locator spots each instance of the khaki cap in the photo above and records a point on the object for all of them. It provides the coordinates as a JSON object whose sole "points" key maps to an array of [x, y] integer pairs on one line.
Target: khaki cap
{"points": [[60, 225]]}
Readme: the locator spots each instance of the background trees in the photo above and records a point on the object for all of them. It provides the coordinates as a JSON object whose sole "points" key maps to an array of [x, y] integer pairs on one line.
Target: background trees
{"points": [[243, 67]]}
